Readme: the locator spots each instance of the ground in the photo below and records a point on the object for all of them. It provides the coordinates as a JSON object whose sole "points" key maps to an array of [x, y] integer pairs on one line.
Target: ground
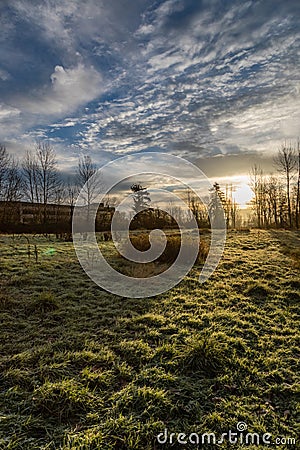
{"points": [[84, 369]]}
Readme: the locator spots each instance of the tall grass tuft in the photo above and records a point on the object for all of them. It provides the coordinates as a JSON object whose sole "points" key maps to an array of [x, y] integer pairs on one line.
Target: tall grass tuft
{"points": [[204, 354], [63, 400], [45, 302]]}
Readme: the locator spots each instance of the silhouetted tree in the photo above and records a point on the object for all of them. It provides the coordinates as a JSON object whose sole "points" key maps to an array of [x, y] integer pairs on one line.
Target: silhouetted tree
{"points": [[41, 180], [257, 186], [71, 191], [285, 162], [197, 208], [230, 207], [30, 172], [141, 198], [4, 164], [13, 185], [85, 171], [48, 178], [216, 206]]}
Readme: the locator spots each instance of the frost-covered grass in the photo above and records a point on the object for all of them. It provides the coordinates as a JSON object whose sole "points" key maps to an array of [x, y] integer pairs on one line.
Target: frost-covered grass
{"points": [[83, 369]]}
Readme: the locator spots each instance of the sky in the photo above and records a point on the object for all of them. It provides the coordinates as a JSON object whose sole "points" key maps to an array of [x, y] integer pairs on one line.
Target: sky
{"points": [[214, 81]]}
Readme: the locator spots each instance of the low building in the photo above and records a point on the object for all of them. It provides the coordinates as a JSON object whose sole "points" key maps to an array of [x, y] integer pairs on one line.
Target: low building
{"points": [[28, 216]]}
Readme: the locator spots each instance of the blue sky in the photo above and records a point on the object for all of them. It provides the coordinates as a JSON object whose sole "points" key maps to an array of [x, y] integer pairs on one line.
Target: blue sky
{"points": [[215, 81]]}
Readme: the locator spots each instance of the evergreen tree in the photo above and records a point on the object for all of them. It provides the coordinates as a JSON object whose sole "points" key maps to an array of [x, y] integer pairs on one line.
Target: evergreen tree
{"points": [[216, 206], [141, 198]]}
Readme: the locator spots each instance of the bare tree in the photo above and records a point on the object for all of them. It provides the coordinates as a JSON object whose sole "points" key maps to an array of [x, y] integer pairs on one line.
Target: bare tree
{"points": [[4, 164], [230, 206], [85, 181], [110, 201], [49, 182], [273, 186], [285, 162], [10, 177], [31, 177], [71, 192], [10, 184], [197, 208], [13, 183], [257, 186], [41, 179]]}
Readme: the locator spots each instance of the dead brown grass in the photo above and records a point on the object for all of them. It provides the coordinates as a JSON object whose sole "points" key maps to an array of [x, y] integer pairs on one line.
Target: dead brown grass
{"points": [[141, 243]]}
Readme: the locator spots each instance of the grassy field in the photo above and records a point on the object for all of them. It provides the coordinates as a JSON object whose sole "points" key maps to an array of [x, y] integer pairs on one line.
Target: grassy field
{"points": [[84, 369]]}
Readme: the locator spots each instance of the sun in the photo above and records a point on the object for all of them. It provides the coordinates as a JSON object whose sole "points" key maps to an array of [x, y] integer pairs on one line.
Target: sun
{"points": [[243, 194]]}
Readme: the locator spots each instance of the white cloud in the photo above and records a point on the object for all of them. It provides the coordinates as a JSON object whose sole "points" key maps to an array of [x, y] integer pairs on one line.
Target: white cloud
{"points": [[69, 89], [261, 126], [68, 24], [8, 112], [50, 16]]}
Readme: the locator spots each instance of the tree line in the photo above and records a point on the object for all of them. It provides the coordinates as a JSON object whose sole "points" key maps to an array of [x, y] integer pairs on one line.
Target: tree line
{"points": [[36, 179], [220, 206], [276, 197], [275, 202]]}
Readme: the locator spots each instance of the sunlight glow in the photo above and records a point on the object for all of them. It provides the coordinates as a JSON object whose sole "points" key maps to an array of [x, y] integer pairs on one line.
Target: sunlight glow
{"points": [[243, 194]]}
